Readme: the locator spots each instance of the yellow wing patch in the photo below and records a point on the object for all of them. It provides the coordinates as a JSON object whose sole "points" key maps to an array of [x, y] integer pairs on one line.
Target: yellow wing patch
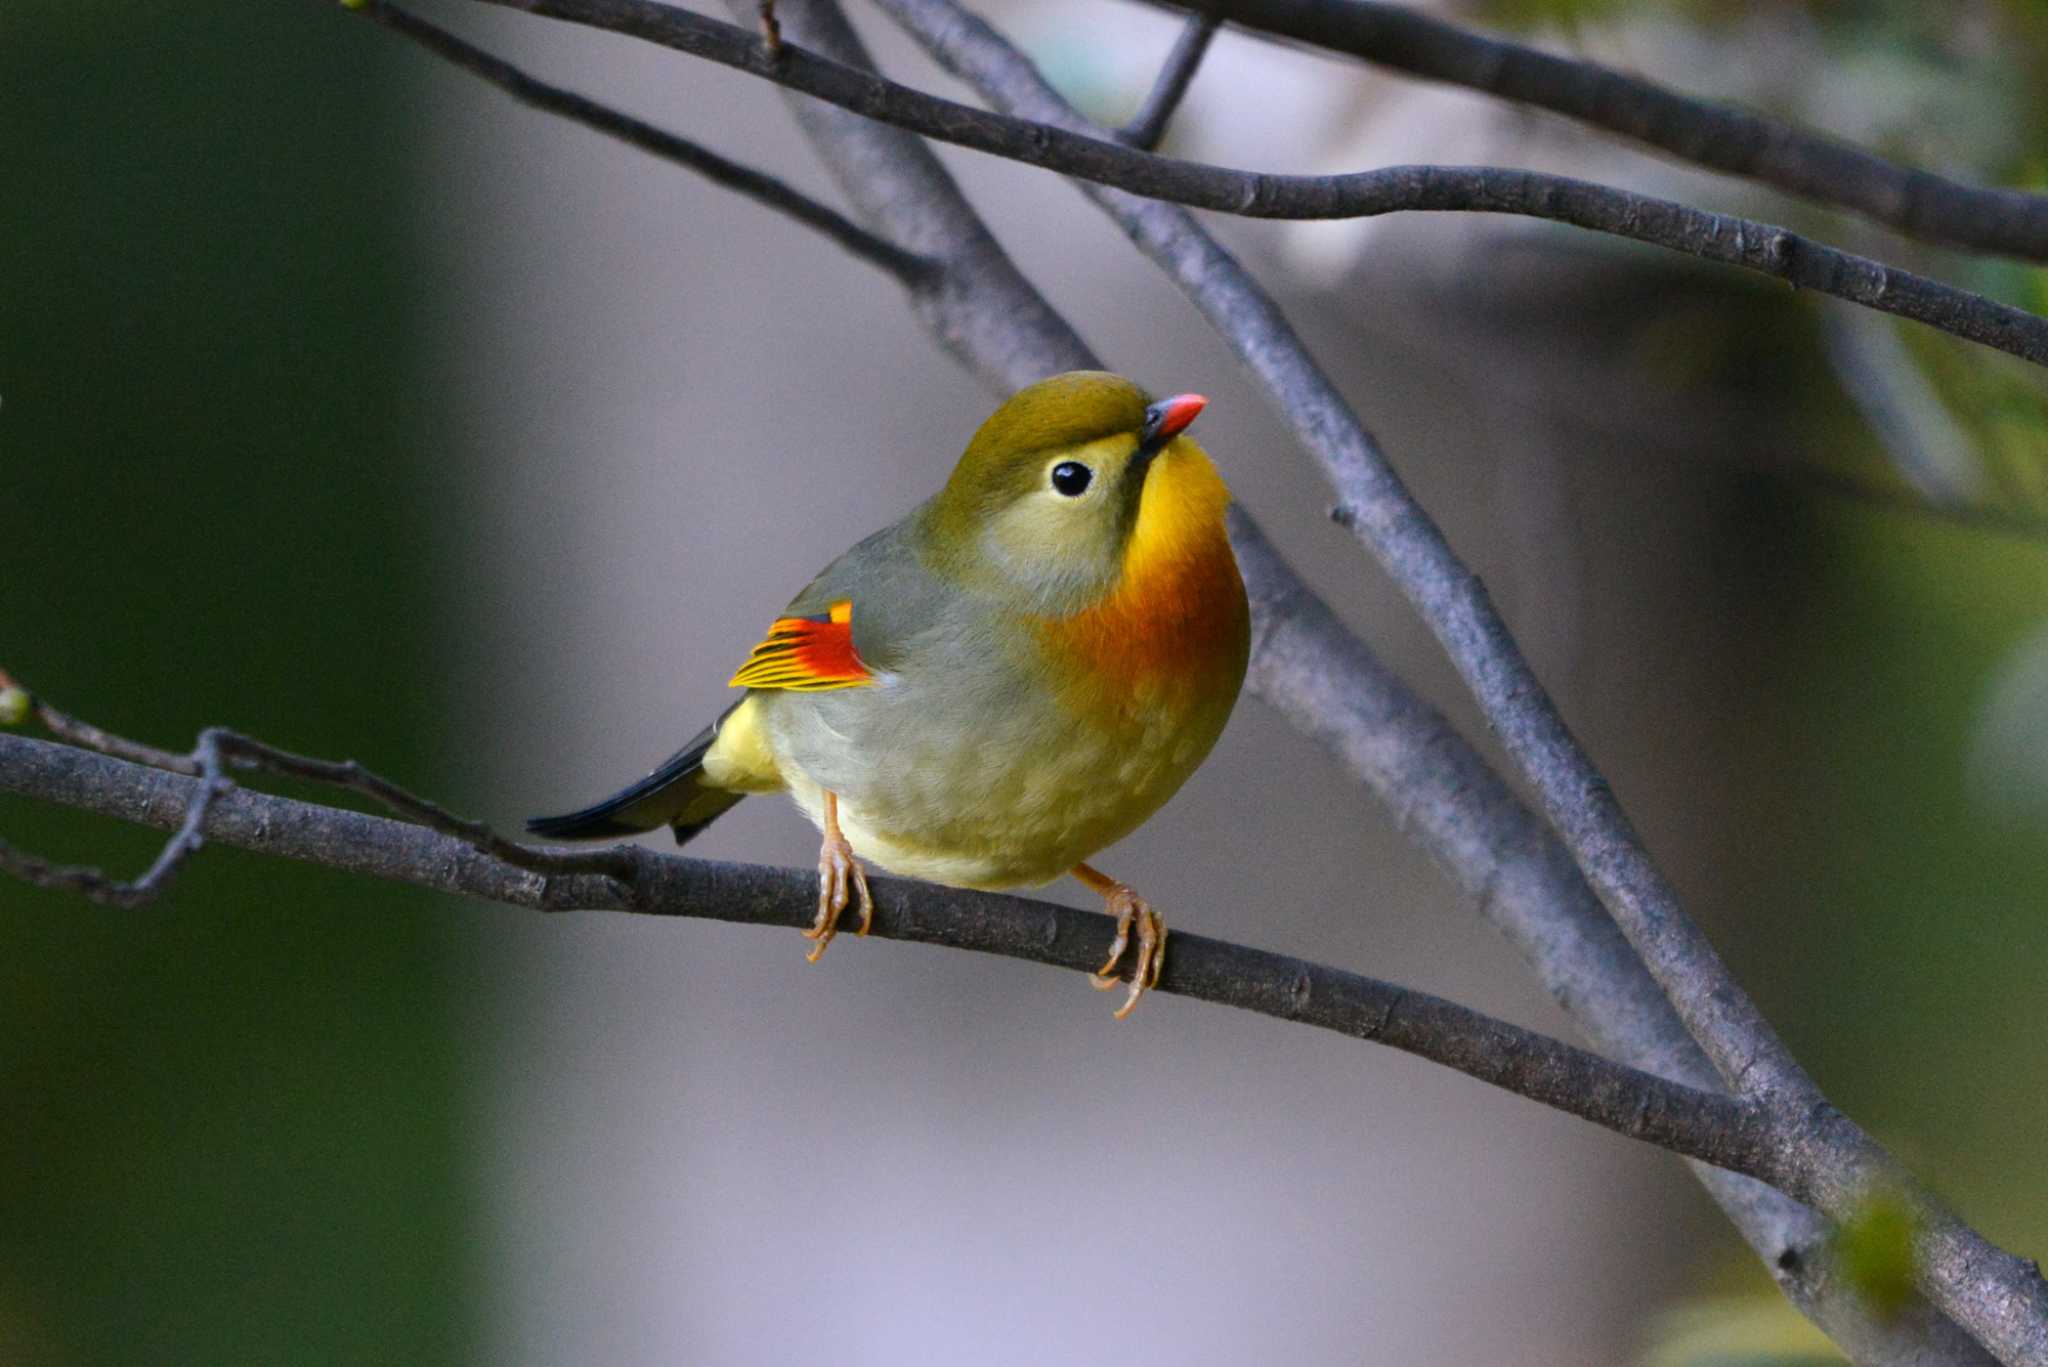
{"points": [[807, 655]]}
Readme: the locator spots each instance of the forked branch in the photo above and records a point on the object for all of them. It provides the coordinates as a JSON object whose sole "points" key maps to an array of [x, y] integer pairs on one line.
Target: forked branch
{"points": [[1761, 247], [1717, 136]]}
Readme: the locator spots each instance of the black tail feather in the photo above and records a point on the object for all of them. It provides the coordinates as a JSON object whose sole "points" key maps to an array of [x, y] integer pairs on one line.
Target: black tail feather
{"points": [[669, 796]]}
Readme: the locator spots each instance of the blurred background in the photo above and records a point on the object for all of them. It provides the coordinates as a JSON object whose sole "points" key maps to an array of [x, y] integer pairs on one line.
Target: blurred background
{"points": [[347, 403]]}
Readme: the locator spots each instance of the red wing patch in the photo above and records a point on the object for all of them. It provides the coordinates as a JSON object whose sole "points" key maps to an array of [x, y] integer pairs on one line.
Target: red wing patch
{"points": [[806, 655]]}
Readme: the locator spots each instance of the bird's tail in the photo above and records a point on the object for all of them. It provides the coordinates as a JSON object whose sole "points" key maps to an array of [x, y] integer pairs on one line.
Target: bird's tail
{"points": [[674, 795]]}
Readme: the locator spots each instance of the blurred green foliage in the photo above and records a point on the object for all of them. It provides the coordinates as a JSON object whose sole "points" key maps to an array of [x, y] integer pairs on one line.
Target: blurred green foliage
{"points": [[231, 1131], [1875, 1247]]}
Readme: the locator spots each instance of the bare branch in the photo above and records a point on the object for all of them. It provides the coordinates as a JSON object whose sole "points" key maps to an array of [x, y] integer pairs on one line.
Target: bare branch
{"points": [[97, 885], [1718, 136], [1331, 686], [1703, 1125], [762, 189], [978, 305], [217, 748], [1148, 125], [1724, 238], [68, 727]]}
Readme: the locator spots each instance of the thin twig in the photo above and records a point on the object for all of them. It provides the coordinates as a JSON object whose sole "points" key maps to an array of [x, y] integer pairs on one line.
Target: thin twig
{"points": [[745, 180], [1718, 136], [248, 753], [99, 886], [1148, 125], [978, 305], [217, 748], [1706, 1126], [63, 724], [1761, 247]]}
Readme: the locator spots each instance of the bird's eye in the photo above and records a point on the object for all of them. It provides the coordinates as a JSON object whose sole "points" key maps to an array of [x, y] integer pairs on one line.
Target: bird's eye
{"points": [[1071, 478]]}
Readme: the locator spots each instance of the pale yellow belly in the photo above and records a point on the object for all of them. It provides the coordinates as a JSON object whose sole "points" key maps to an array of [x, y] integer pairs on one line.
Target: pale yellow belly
{"points": [[1011, 807]]}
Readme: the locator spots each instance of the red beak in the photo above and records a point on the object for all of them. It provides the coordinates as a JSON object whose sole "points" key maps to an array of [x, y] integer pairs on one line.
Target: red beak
{"points": [[1168, 418]]}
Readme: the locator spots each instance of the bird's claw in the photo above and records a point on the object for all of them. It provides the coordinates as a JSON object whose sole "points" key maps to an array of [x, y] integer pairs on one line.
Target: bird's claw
{"points": [[1131, 911], [841, 879]]}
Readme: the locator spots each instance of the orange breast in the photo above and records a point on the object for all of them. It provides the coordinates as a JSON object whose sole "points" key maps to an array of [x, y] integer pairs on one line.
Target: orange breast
{"points": [[1178, 615]]}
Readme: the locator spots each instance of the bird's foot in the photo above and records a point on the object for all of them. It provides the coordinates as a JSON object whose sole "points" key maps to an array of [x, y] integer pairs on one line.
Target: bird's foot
{"points": [[1132, 912], [840, 880]]}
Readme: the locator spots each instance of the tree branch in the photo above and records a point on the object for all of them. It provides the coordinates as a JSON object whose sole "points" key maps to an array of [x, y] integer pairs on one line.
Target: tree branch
{"points": [[1331, 687], [1717, 136], [765, 190], [1760, 247], [1707, 1126], [1148, 125]]}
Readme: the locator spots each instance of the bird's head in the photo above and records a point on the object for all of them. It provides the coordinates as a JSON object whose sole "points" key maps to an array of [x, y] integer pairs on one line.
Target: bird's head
{"points": [[1066, 483]]}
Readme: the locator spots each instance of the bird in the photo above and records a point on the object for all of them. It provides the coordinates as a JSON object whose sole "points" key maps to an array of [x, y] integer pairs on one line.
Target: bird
{"points": [[1011, 678]]}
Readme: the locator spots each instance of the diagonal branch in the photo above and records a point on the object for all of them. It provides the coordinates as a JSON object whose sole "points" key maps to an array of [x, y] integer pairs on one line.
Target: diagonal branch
{"points": [[1331, 687], [1707, 1126], [2000, 1298], [1090, 156], [1717, 136], [763, 189], [1148, 125]]}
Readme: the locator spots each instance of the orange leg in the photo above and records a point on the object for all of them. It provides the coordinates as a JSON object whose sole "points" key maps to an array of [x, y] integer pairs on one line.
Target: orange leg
{"points": [[840, 877], [1129, 909]]}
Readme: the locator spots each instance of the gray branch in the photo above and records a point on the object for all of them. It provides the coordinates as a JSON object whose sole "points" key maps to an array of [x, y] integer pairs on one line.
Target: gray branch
{"points": [[1707, 1126], [1148, 125], [1332, 688], [1717, 136], [764, 190], [1096, 157]]}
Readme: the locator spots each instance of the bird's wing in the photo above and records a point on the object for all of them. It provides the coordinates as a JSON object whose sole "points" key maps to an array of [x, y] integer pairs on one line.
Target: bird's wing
{"points": [[812, 653], [852, 623]]}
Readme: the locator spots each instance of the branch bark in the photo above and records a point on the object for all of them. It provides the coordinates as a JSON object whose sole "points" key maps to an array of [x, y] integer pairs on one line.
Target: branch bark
{"points": [[1699, 1124], [763, 189], [1717, 136], [1148, 125], [1092, 156]]}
